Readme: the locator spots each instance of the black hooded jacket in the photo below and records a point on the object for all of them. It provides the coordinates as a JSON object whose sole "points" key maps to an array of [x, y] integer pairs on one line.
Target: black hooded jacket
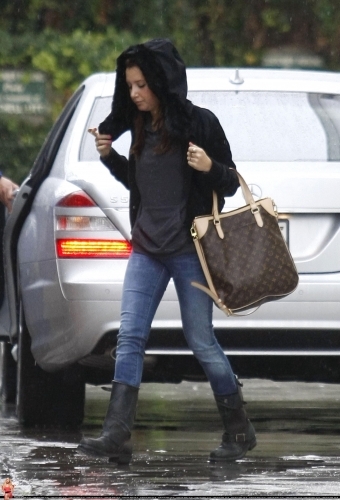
{"points": [[165, 73]]}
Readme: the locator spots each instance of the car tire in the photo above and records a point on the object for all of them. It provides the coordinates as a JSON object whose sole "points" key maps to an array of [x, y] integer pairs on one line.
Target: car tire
{"points": [[47, 399], [8, 373]]}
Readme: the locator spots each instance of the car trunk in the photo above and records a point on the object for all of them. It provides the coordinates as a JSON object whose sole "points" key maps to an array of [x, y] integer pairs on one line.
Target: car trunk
{"points": [[307, 199]]}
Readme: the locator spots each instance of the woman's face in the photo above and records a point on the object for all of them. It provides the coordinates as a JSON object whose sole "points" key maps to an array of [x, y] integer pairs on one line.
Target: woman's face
{"points": [[140, 93]]}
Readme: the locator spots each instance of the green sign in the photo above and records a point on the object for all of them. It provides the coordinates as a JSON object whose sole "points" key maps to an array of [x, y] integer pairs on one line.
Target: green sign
{"points": [[23, 93]]}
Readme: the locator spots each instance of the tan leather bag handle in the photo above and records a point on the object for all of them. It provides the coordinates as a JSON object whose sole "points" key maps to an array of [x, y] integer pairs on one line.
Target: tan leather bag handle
{"points": [[249, 201]]}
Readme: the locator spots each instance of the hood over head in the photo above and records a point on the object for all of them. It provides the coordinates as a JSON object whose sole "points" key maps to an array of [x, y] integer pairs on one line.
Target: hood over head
{"points": [[165, 73]]}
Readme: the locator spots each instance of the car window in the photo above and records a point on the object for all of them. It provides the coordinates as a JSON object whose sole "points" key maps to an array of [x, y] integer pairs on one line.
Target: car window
{"points": [[100, 109], [260, 126]]}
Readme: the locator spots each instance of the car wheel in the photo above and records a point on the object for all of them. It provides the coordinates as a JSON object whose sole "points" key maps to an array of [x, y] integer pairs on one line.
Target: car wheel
{"points": [[8, 373], [46, 399]]}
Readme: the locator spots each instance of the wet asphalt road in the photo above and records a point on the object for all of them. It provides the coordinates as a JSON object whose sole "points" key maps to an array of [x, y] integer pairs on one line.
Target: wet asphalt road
{"points": [[298, 451]]}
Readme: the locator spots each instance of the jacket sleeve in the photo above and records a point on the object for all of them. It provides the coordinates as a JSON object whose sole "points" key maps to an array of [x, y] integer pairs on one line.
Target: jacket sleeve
{"points": [[222, 176], [118, 166]]}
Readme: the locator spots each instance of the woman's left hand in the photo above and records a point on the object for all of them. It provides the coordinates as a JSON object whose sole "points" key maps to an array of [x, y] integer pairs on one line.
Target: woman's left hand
{"points": [[198, 158]]}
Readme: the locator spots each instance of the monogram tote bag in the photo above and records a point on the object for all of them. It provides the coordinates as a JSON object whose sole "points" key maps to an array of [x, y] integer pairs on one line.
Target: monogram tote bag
{"points": [[244, 257]]}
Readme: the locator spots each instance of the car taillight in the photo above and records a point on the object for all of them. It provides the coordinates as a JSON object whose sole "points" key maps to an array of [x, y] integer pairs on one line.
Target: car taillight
{"points": [[93, 248], [74, 221], [83, 223], [76, 199]]}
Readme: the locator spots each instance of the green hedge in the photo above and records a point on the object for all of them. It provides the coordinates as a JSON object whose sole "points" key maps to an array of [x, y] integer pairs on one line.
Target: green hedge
{"points": [[20, 141], [66, 60]]}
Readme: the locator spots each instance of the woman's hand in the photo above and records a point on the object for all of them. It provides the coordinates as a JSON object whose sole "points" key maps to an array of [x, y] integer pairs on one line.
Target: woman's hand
{"points": [[103, 142], [198, 159]]}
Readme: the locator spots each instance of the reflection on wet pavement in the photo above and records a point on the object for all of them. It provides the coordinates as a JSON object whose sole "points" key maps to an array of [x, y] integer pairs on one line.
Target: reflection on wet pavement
{"points": [[298, 451]]}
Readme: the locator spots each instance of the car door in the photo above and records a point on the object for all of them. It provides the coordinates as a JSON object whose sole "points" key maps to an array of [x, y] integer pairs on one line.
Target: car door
{"points": [[21, 208], [3, 303], [21, 380]]}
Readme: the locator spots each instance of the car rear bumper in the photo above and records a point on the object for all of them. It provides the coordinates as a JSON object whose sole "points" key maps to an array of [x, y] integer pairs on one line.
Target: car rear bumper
{"points": [[74, 306]]}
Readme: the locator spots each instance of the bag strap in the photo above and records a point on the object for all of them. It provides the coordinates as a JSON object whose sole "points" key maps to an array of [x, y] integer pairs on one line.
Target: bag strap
{"points": [[211, 291], [249, 201]]}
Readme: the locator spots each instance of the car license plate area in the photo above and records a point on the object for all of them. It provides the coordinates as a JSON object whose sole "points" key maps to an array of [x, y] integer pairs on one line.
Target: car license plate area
{"points": [[283, 225]]}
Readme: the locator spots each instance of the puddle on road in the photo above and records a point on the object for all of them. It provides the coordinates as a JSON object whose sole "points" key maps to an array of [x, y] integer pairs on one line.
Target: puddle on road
{"points": [[298, 451]]}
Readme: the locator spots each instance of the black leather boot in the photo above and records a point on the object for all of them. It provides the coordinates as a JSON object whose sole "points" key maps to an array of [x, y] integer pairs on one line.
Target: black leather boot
{"points": [[114, 441], [239, 435]]}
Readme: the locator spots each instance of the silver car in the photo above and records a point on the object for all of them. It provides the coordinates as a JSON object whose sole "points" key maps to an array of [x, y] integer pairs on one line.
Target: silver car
{"points": [[66, 246]]}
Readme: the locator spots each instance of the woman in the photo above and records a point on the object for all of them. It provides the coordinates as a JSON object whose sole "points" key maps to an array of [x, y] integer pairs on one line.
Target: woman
{"points": [[179, 155], [7, 488]]}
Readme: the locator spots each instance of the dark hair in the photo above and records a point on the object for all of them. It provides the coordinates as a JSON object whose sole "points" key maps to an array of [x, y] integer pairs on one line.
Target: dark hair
{"points": [[166, 142]]}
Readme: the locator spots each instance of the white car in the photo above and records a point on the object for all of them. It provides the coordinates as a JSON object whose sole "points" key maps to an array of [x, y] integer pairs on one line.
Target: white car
{"points": [[66, 245]]}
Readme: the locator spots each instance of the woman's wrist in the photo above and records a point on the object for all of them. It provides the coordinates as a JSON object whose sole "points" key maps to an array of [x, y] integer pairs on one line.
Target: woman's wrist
{"points": [[105, 157], [209, 165]]}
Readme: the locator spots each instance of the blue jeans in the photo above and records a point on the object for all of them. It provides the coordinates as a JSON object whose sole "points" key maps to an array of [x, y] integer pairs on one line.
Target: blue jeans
{"points": [[145, 282]]}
